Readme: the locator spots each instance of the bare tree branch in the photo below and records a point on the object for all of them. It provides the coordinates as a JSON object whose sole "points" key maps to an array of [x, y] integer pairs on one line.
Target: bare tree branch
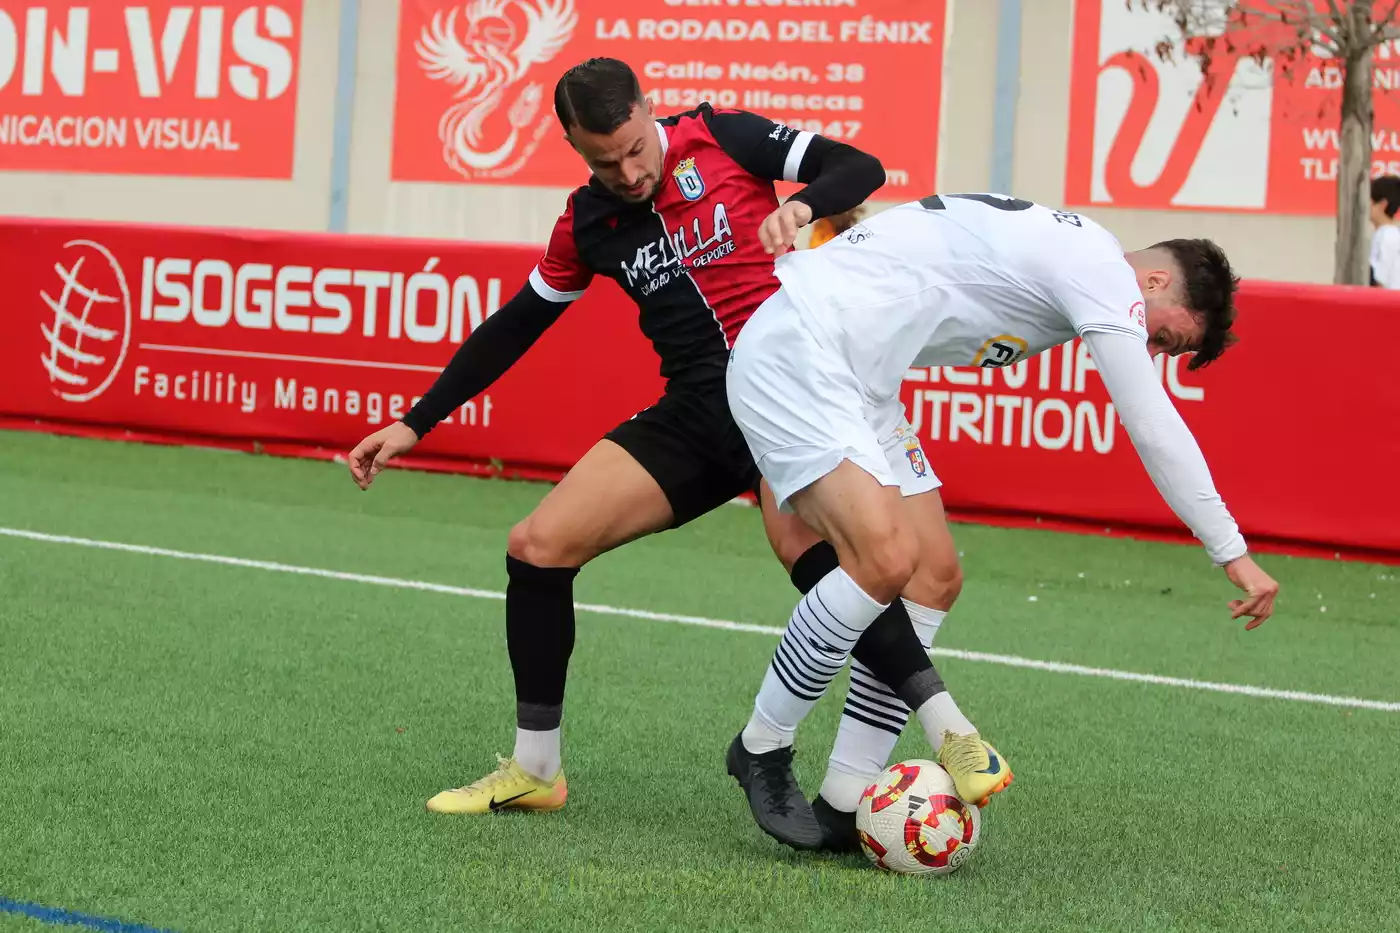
{"points": [[1279, 35], [1302, 16], [1334, 28], [1341, 19], [1384, 26]]}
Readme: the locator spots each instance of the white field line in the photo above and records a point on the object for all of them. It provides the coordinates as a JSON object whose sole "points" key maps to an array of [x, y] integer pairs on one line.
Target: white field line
{"points": [[1007, 660]]}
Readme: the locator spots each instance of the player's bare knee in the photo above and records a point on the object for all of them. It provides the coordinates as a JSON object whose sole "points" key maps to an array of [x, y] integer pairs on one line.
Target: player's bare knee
{"points": [[519, 543], [952, 587], [536, 543], [790, 541], [936, 585], [884, 563]]}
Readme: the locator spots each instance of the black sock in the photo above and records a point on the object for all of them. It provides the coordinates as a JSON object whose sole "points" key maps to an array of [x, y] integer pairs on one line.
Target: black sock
{"points": [[816, 562], [890, 648], [540, 638]]}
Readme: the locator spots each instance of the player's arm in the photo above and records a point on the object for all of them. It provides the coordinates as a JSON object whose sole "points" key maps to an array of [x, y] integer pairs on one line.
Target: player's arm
{"points": [[837, 176], [488, 352], [486, 355], [1169, 451], [1174, 461]]}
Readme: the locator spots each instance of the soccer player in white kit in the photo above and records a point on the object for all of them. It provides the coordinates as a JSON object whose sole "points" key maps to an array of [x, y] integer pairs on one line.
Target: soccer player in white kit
{"points": [[957, 280]]}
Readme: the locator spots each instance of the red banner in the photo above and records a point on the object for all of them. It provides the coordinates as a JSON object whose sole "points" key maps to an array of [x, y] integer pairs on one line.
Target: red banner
{"points": [[301, 342], [1301, 449], [474, 97], [1149, 130], [311, 339], [157, 88]]}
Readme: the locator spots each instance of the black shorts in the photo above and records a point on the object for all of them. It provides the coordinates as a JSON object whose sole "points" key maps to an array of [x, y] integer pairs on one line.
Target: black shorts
{"points": [[691, 446]]}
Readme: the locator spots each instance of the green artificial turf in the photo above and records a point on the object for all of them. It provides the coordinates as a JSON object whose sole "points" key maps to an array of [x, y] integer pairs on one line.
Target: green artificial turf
{"points": [[203, 747]]}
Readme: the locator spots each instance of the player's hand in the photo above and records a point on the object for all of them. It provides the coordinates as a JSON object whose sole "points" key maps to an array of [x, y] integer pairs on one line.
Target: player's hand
{"points": [[779, 229], [1259, 589], [374, 452]]}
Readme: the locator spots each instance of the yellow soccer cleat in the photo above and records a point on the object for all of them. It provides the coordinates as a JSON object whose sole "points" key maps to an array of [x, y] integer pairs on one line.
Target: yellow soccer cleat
{"points": [[976, 768], [509, 787]]}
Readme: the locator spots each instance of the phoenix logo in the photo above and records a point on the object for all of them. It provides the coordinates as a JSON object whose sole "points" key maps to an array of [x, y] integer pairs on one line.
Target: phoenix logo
{"points": [[91, 327], [498, 43]]}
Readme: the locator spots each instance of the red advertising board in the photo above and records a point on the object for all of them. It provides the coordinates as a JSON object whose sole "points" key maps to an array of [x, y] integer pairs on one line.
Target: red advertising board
{"points": [[312, 339], [1149, 130], [475, 81], [305, 343], [1301, 449], [157, 88]]}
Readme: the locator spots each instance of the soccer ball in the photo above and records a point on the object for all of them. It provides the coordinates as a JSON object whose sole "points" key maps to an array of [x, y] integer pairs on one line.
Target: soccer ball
{"points": [[911, 821]]}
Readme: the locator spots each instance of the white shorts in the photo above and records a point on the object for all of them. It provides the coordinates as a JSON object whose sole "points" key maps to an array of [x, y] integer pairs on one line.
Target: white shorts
{"points": [[802, 410]]}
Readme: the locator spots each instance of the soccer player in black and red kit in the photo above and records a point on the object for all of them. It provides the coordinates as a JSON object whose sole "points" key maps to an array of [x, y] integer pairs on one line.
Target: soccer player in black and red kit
{"points": [[681, 212]]}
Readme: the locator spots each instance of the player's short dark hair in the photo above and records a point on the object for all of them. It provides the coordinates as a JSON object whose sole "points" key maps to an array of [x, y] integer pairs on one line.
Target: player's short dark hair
{"points": [[1387, 189], [597, 95], [1209, 285]]}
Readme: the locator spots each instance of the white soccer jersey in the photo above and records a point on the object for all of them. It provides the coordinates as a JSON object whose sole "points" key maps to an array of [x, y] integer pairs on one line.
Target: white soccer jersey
{"points": [[962, 280], [957, 280]]}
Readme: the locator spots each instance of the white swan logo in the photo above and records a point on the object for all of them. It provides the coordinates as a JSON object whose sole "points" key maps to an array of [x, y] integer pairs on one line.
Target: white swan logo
{"points": [[498, 44], [90, 330]]}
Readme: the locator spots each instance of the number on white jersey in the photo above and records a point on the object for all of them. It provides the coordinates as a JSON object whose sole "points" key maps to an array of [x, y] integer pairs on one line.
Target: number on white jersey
{"points": [[934, 202]]}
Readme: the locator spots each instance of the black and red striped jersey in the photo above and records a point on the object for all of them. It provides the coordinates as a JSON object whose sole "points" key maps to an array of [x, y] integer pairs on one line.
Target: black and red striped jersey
{"points": [[691, 257]]}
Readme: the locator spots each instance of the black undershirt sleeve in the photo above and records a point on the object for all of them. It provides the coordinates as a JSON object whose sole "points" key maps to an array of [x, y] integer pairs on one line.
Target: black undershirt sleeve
{"points": [[838, 176], [485, 355]]}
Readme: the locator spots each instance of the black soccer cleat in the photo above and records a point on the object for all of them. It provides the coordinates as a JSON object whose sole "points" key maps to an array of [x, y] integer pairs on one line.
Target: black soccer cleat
{"points": [[778, 804], [838, 827]]}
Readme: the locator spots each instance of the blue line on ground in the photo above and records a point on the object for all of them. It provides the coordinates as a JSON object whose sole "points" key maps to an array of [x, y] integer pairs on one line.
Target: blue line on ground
{"points": [[58, 915]]}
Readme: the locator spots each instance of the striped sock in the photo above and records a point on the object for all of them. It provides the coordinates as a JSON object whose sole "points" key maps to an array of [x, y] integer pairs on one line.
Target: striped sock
{"points": [[870, 726], [871, 723], [818, 640]]}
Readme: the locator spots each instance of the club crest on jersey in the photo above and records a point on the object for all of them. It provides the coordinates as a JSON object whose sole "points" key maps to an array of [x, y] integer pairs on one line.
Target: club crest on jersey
{"points": [[688, 179], [915, 452]]}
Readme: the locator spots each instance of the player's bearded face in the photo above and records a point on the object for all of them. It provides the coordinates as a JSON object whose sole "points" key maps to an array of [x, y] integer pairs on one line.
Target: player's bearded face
{"points": [[627, 160]]}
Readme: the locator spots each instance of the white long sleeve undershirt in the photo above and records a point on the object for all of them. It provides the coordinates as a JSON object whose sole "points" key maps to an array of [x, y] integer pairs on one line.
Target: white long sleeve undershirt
{"points": [[1168, 450]]}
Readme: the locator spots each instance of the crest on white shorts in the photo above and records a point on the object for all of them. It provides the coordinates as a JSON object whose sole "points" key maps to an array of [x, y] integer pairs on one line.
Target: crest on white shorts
{"points": [[913, 451]]}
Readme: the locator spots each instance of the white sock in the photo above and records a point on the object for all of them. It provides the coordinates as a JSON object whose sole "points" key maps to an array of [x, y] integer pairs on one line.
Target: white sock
{"points": [[841, 789], [819, 637], [538, 752], [926, 622], [941, 714], [871, 723]]}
